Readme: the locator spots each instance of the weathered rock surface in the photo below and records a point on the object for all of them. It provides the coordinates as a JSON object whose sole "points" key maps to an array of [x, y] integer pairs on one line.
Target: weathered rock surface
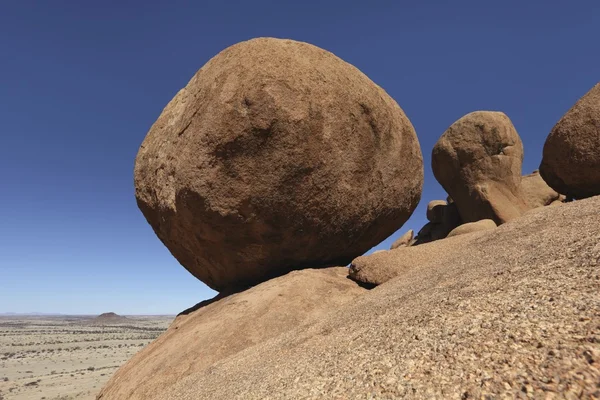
{"points": [[404, 240], [435, 210], [469, 227], [571, 157], [536, 191], [277, 155], [197, 341], [478, 162], [511, 312], [446, 218]]}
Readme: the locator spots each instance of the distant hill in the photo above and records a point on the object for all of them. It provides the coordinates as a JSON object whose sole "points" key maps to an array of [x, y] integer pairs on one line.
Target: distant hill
{"points": [[109, 318]]}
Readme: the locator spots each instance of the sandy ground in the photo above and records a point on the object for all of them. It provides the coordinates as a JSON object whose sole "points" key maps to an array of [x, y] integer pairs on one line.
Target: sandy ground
{"points": [[68, 357]]}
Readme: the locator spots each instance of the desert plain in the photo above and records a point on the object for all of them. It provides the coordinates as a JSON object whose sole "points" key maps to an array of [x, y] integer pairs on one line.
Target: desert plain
{"points": [[68, 357]]}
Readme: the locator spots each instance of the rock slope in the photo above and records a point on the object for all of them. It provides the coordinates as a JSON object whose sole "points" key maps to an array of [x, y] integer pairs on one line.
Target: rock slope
{"points": [[199, 339], [514, 312]]}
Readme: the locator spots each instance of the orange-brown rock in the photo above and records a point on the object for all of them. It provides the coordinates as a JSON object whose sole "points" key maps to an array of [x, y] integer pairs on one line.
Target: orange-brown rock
{"points": [[536, 191], [404, 240], [494, 314], [435, 210], [571, 158], [443, 217], [478, 162], [216, 330], [469, 227], [277, 155]]}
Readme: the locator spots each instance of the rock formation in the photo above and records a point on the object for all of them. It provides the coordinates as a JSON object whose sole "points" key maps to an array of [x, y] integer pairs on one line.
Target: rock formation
{"points": [[478, 162], [197, 340], [571, 158], [469, 227], [536, 191], [506, 313], [443, 217], [277, 155], [435, 210], [404, 240]]}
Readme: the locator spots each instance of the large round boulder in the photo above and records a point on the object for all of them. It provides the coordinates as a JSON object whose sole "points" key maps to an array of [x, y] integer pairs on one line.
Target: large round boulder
{"points": [[478, 162], [571, 158], [276, 156]]}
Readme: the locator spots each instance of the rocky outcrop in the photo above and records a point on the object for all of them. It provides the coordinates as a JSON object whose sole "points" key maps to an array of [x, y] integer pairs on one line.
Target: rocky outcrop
{"points": [[199, 339], [404, 240], [478, 162], [469, 227], [536, 191], [276, 156], [571, 157], [435, 210], [443, 217], [503, 313]]}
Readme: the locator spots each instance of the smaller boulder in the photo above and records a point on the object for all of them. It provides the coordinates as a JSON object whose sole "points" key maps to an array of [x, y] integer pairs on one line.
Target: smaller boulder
{"points": [[446, 221], [536, 191], [404, 240], [375, 269], [379, 251], [478, 162], [451, 218], [424, 234], [482, 225], [435, 210]]}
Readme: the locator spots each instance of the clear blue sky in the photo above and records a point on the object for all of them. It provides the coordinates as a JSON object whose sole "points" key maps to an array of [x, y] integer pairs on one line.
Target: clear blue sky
{"points": [[81, 83]]}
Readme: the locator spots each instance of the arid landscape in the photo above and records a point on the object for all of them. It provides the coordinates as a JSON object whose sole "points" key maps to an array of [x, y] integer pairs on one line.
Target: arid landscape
{"points": [[313, 200], [68, 357]]}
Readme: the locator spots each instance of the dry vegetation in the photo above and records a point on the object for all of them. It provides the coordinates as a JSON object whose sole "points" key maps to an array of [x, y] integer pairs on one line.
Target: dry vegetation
{"points": [[63, 357]]}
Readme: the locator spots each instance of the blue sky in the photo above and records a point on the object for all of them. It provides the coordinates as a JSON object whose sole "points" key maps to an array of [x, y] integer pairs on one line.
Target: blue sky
{"points": [[81, 83]]}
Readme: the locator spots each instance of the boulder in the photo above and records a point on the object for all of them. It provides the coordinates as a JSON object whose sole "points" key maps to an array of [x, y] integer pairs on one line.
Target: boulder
{"points": [[478, 162], [215, 330], [435, 210], [276, 156], [404, 240], [447, 218], [536, 191], [376, 269], [450, 219], [571, 156], [483, 225]]}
